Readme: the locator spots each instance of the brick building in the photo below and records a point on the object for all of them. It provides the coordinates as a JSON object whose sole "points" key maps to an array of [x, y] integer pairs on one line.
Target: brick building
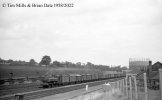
{"points": [[153, 75]]}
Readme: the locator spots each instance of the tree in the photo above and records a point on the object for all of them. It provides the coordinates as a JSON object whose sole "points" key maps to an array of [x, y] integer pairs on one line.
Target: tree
{"points": [[32, 62], [67, 64], [45, 60], [10, 61], [89, 64], [57, 63], [2, 61], [78, 64]]}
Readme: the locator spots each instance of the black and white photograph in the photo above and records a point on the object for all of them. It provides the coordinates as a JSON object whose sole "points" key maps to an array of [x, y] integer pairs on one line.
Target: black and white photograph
{"points": [[80, 49]]}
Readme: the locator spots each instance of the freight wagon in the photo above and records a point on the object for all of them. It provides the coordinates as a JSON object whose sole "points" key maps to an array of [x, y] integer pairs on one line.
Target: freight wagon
{"points": [[57, 80]]}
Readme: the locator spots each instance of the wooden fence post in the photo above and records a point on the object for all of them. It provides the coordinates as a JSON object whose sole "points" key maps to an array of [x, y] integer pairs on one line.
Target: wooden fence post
{"points": [[123, 87], [126, 86], [86, 87], [160, 82], [130, 87], [145, 86], [135, 83]]}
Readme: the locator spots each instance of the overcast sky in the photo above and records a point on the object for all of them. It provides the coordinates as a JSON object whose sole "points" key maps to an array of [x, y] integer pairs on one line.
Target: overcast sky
{"points": [[107, 32]]}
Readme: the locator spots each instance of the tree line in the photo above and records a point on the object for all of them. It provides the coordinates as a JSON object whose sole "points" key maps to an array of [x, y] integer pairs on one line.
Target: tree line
{"points": [[46, 61]]}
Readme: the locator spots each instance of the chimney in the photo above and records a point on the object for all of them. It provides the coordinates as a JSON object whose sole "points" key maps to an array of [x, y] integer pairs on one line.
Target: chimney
{"points": [[150, 63], [150, 68]]}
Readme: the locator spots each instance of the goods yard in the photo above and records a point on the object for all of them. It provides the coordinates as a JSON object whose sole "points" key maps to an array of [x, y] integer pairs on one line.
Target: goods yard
{"points": [[37, 92]]}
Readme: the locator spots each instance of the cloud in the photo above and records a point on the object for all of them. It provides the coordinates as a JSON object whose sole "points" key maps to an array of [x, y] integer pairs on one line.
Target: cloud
{"points": [[92, 30]]}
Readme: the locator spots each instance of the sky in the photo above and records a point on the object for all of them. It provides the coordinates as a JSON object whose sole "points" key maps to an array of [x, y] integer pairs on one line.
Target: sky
{"points": [[106, 32]]}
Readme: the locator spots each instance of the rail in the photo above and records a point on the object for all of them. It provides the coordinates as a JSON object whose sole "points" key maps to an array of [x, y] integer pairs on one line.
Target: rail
{"points": [[50, 91], [109, 91]]}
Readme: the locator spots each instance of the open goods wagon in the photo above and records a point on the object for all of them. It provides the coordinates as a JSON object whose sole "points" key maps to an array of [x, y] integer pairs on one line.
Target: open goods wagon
{"points": [[58, 80]]}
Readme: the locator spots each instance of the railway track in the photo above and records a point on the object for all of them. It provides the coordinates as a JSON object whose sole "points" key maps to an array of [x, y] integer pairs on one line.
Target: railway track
{"points": [[18, 88], [40, 92], [15, 86]]}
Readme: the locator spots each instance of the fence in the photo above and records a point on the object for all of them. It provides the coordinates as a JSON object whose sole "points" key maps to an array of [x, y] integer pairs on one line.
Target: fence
{"points": [[108, 91], [144, 90], [138, 89], [129, 88]]}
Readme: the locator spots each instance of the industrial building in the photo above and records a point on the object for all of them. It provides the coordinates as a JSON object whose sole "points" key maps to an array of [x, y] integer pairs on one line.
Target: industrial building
{"points": [[138, 65]]}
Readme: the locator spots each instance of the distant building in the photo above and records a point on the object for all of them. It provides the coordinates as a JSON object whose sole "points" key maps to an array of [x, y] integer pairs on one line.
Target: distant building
{"points": [[153, 75], [138, 65]]}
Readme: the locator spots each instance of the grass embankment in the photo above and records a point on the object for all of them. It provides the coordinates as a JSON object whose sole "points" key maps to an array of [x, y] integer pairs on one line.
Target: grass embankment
{"points": [[34, 71]]}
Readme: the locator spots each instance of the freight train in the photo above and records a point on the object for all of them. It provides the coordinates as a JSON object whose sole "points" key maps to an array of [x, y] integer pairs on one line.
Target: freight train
{"points": [[58, 80]]}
